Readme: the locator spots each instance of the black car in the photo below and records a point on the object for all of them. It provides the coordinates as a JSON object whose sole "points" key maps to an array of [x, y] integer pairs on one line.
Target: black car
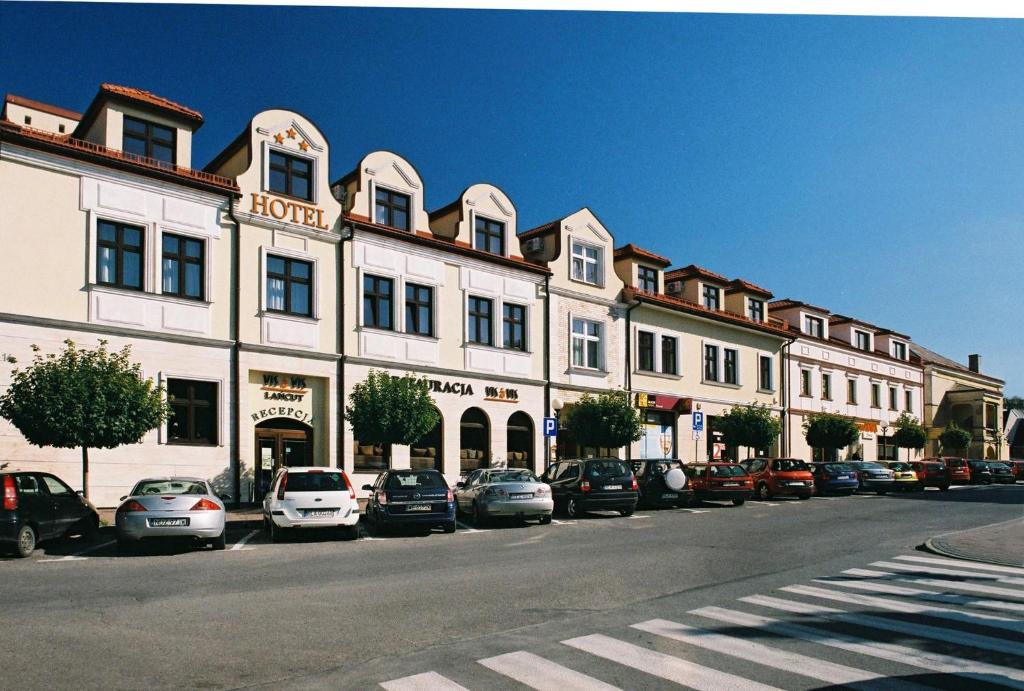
{"points": [[980, 473], [659, 486], [410, 498], [579, 485], [1001, 473], [38, 507]]}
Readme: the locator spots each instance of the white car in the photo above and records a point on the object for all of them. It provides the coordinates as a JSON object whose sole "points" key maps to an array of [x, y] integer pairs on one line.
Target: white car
{"points": [[310, 497]]}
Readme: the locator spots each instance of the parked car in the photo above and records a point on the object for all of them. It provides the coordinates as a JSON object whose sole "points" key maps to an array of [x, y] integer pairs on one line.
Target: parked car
{"points": [[779, 477], [302, 498], [956, 467], [38, 507], [872, 476], [492, 493], [979, 472], [579, 485], [662, 482], [1001, 473], [170, 507], [1018, 469], [720, 482], [903, 476], [834, 478], [404, 498], [931, 474]]}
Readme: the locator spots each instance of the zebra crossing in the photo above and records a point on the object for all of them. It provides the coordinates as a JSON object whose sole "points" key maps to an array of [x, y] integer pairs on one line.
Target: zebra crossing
{"points": [[905, 622]]}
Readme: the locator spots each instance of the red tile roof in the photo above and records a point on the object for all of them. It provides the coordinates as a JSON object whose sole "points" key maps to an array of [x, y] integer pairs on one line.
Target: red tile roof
{"points": [[777, 328], [738, 285], [40, 106], [540, 230], [786, 303], [151, 99], [632, 250], [694, 270]]}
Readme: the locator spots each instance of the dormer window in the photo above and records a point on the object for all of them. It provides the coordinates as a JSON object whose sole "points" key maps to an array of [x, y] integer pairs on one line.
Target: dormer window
{"points": [[712, 297], [647, 279], [392, 209], [755, 309], [586, 264], [899, 350], [489, 236], [814, 326], [148, 140], [862, 340], [291, 175]]}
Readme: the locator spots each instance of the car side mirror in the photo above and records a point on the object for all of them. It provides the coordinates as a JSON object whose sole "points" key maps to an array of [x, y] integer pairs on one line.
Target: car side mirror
{"points": [[79, 492], [368, 488], [123, 498]]}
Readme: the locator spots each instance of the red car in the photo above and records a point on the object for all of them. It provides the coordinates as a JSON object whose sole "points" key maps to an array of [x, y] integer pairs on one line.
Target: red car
{"points": [[719, 482], [780, 477], [1017, 467], [959, 473], [931, 474]]}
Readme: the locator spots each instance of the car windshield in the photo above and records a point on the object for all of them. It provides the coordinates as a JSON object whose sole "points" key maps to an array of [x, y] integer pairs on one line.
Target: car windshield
{"points": [[415, 481], [790, 464], [603, 469], [980, 465], [315, 482], [934, 466], [169, 487], [998, 466], [663, 467], [725, 470], [837, 467], [899, 466], [868, 465], [513, 476]]}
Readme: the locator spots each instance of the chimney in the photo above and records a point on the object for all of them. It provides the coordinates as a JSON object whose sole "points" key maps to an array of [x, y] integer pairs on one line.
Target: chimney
{"points": [[974, 363]]}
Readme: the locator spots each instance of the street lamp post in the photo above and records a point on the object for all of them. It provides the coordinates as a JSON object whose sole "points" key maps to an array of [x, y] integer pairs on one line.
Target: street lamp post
{"points": [[556, 405]]}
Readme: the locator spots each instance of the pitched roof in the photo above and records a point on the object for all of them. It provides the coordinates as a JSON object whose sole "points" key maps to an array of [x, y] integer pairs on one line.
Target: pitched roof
{"points": [[786, 303], [679, 304], [539, 230], [932, 358], [632, 250], [694, 270], [151, 99], [738, 285], [40, 106]]}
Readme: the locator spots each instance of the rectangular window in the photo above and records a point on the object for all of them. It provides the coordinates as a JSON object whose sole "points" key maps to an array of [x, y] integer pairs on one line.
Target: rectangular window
{"points": [[194, 412], [805, 382], [419, 309], [851, 391], [586, 264], [765, 373], [899, 350], [876, 395], [586, 344], [731, 366], [893, 398], [645, 351], [119, 255], [378, 302], [489, 236], [756, 310], [711, 295], [862, 340], [514, 327], [182, 267], [480, 311], [668, 355], [148, 140], [647, 279], [908, 399], [289, 286], [826, 387], [391, 209], [814, 326], [710, 363], [291, 175]]}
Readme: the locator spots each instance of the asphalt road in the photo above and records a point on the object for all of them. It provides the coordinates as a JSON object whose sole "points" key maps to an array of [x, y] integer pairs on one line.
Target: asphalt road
{"points": [[322, 613]]}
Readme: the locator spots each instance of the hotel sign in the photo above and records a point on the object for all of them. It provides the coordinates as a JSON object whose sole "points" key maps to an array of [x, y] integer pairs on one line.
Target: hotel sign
{"points": [[288, 211]]}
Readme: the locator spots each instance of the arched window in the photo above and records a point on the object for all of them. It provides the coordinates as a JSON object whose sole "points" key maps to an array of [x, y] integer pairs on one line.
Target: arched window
{"points": [[428, 451], [520, 441], [475, 440]]}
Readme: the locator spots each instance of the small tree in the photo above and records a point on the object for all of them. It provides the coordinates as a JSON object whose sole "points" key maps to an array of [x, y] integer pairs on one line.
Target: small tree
{"points": [[93, 399], [608, 420], [829, 431], [909, 433], [1013, 402], [390, 410], [955, 437], [749, 426]]}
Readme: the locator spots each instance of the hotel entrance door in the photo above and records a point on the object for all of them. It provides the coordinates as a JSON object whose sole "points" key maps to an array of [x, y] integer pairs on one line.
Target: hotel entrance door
{"points": [[280, 442]]}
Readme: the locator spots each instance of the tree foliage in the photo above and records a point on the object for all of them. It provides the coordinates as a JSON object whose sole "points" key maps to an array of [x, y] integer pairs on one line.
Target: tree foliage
{"points": [[391, 410], [92, 399], [750, 426], [830, 431], [909, 433], [955, 437], [1013, 402], [608, 420]]}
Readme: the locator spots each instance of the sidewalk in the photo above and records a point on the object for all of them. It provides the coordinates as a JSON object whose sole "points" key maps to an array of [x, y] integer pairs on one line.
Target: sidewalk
{"points": [[999, 543]]}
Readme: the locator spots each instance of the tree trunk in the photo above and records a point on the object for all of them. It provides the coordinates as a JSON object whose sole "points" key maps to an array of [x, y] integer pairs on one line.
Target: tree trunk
{"points": [[85, 472]]}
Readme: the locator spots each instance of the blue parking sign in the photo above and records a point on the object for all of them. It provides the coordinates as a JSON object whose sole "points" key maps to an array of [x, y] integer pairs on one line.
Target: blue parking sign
{"points": [[698, 420], [550, 427]]}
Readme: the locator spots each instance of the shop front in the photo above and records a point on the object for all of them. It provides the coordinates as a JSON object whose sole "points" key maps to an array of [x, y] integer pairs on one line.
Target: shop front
{"points": [[659, 417]]}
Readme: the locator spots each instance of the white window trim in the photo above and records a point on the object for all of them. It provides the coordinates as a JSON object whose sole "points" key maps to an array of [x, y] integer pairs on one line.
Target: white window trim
{"points": [[853, 340], [207, 261], [314, 284], [398, 282], [701, 285], [150, 264], [499, 337], [598, 262], [658, 352], [893, 345], [856, 389], [803, 325], [764, 308], [600, 343], [314, 168], [810, 380], [409, 192], [722, 347], [771, 372], [163, 375], [658, 360], [495, 336], [473, 215]]}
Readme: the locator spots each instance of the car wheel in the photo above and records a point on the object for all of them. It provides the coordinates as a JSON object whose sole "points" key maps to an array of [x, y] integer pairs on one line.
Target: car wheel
{"points": [[738, 502], [762, 492], [276, 533], [127, 546], [572, 509], [88, 526], [626, 512], [220, 542], [545, 520], [449, 527], [804, 496], [26, 543], [350, 532], [478, 517]]}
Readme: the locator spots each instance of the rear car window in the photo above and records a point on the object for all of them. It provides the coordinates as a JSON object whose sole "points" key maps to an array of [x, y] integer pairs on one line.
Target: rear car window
{"points": [[837, 467], [513, 476], [169, 487], [726, 471], [600, 469], [867, 465], [27, 484], [934, 466], [900, 466], [315, 482], [956, 463], [415, 481], [790, 464]]}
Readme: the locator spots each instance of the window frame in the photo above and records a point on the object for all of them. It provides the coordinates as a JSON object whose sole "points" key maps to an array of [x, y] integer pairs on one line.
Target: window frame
{"points": [[670, 360], [212, 405], [645, 277], [597, 261], [763, 371], [416, 303], [707, 290], [805, 382], [908, 400], [876, 395], [899, 350], [826, 386], [857, 334], [149, 139], [471, 337], [511, 321], [755, 309], [731, 366], [851, 391], [288, 281], [119, 248], [391, 207], [585, 338], [641, 347], [811, 321], [376, 297], [287, 169], [894, 398], [489, 234], [711, 369], [183, 261]]}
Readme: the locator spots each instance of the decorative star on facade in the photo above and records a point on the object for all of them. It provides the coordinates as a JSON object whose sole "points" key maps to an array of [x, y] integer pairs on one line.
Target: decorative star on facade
{"points": [[304, 145], [291, 132], [279, 138]]}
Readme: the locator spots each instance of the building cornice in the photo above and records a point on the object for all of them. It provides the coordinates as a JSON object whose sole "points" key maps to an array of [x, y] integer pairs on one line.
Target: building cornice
{"points": [[441, 371], [105, 329]]}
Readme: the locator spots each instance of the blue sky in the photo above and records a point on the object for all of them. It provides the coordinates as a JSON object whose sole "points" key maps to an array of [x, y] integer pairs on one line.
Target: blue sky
{"points": [[874, 166]]}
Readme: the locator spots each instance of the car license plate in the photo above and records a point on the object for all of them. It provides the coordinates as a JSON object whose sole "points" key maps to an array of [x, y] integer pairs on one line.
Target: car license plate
{"points": [[730, 484], [613, 486], [796, 484], [670, 495], [319, 513], [526, 495], [167, 522], [419, 507]]}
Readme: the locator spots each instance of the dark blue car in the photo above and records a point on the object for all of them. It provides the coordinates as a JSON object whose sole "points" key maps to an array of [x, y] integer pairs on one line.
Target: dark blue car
{"points": [[410, 498], [834, 478]]}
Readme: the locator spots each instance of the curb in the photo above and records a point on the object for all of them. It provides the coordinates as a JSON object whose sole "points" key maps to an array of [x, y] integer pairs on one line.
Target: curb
{"points": [[936, 545]]}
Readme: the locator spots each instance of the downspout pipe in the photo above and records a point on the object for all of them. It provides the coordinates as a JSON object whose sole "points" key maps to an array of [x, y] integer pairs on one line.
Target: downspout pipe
{"points": [[547, 364], [629, 360], [347, 232], [236, 385], [784, 397]]}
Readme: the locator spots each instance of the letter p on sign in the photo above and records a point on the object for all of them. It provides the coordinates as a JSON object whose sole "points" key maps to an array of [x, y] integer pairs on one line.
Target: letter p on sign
{"points": [[550, 427]]}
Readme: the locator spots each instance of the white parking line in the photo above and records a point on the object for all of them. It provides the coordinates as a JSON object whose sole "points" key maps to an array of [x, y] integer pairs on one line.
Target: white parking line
{"points": [[428, 681], [543, 675], [962, 563], [695, 510], [468, 529], [77, 556], [240, 545], [638, 515]]}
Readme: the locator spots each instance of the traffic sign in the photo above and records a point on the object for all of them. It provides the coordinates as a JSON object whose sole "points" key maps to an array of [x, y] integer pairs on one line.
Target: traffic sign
{"points": [[550, 427], [698, 420]]}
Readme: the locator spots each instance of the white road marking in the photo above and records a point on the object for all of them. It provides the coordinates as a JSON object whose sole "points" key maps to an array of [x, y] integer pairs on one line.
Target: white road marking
{"points": [[756, 652], [77, 556], [964, 564], [541, 674], [555, 521], [919, 630], [469, 529], [935, 662], [695, 510], [661, 665], [918, 594], [638, 515], [915, 568], [939, 583], [241, 543], [428, 681]]}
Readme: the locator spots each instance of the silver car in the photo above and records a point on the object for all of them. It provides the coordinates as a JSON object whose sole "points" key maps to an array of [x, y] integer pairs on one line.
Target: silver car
{"points": [[488, 493], [170, 507], [873, 476]]}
